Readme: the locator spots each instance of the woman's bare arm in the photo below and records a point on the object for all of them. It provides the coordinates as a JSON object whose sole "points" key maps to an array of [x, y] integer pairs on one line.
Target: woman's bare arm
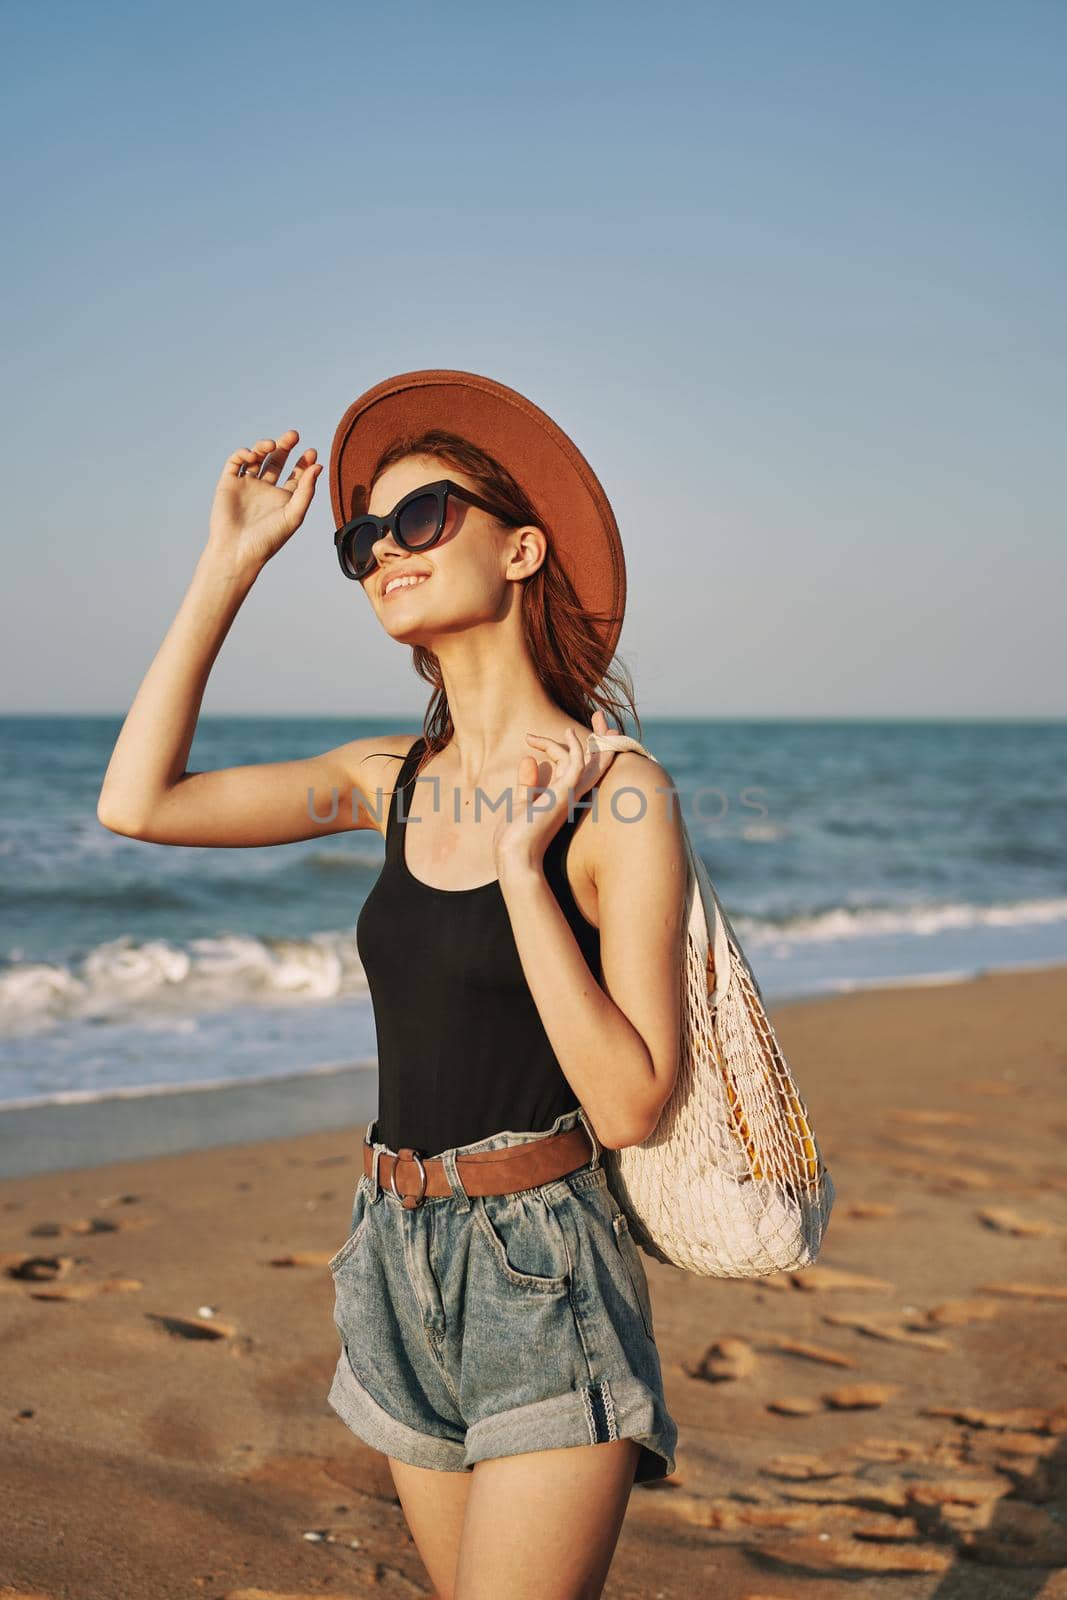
{"points": [[616, 1043], [147, 792]]}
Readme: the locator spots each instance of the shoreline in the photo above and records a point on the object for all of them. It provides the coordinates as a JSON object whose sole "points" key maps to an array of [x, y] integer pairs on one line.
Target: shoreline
{"points": [[80, 1134]]}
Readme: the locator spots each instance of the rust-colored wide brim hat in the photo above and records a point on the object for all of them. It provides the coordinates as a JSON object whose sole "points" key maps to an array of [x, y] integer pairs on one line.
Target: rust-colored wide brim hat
{"points": [[547, 465]]}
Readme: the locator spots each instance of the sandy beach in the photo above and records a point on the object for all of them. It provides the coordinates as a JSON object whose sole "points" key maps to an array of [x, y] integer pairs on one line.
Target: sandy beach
{"points": [[891, 1421]]}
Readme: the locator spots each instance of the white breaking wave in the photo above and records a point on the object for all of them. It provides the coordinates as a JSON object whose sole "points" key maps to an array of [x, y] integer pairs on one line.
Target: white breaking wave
{"points": [[122, 980], [158, 983], [843, 922]]}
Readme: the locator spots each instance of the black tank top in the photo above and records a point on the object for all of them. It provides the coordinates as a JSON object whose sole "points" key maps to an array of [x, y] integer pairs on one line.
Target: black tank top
{"points": [[462, 1050]]}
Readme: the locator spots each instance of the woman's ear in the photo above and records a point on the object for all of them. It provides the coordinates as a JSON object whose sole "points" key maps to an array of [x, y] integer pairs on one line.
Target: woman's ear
{"points": [[530, 551]]}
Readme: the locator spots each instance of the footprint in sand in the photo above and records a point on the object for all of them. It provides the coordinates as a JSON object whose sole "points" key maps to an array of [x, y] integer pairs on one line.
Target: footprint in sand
{"points": [[35, 1269], [845, 1556], [887, 1529], [50, 1230], [1027, 1291], [1004, 1220], [302, 1258], [818, 1277], [948, 1508], [803, 1466], [895, 1332], [1050, 1420], [863, 1210], [726, 1359], [102, 1225], [795, 1405], [86, 1291], [93, 1225], [42, 1272], [861, 1396], [865, 1493], [811, 1352], [958, 1313], [850, 1397], [192, 1327], [891, 1452], [730, 1516]]}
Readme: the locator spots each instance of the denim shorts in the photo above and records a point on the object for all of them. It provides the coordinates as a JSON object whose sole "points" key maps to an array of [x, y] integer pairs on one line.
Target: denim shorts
{"points": [[475, 1326]]}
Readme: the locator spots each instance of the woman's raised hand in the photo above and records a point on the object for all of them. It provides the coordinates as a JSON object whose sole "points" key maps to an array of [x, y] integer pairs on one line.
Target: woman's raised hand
{"points": [[570, 771], [253, 515]]}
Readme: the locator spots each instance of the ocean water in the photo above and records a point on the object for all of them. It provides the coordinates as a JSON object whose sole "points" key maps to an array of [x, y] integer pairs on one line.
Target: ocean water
{"points": [[846, 853]]}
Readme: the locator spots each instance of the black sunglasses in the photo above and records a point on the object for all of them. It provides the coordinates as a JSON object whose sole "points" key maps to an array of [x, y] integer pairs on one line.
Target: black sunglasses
{"points": [[416, 523]]}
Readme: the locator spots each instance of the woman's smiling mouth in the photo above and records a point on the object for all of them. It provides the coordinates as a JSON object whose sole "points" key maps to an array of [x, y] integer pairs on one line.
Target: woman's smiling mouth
{"points": [[404, 581]]}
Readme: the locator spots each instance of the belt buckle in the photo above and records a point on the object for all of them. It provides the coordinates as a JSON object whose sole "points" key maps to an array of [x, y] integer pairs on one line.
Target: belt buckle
{"points": [[415, 1200]]}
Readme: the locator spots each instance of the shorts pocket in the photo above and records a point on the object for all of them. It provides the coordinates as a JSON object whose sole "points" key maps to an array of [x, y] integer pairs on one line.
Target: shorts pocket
{"points": [[634, 1268], [525, 1240], [359, 1220]]}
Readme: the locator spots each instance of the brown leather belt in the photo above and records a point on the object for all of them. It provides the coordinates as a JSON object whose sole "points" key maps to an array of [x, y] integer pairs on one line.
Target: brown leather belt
{"points": [[521, 1166]]}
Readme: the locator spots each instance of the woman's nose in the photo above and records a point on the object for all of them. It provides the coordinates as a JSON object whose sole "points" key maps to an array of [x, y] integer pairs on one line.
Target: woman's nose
{"points": [[385, 541]]}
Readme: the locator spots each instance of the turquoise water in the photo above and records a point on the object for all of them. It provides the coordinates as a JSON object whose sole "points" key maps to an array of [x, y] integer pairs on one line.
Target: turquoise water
{"points": [[846, 853]]}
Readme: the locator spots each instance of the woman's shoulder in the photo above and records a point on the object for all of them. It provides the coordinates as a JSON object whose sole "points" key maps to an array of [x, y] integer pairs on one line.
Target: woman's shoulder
{"points": [[379, 753], [630, 773], [635, 820], [375, 763]]}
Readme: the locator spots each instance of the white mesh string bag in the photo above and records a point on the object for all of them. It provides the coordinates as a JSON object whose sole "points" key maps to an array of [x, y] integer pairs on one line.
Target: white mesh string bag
{"points": [[731, 1183]]}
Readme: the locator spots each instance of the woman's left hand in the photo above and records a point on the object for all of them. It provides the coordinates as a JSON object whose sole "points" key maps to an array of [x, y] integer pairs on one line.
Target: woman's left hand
{"points": [[523, 841]]}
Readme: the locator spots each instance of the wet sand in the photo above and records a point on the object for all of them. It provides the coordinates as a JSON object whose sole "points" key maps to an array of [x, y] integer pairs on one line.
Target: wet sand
{"points": [[890, 1422]]}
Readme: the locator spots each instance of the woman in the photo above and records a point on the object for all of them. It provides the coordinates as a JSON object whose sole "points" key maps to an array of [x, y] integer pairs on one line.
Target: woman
{"points": [[524, 964]]}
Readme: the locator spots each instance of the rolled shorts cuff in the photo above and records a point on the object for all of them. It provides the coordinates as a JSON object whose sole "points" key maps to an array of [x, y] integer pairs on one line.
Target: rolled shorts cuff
{"points": [[610, 1408], [359, 1410]]}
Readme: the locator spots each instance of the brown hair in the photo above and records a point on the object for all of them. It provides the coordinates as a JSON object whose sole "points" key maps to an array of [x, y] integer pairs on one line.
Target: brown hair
{"points": [[555, 624]]}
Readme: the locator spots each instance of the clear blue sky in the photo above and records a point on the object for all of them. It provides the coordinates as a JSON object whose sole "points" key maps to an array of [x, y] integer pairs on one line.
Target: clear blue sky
{"points": [[792, 276]]}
